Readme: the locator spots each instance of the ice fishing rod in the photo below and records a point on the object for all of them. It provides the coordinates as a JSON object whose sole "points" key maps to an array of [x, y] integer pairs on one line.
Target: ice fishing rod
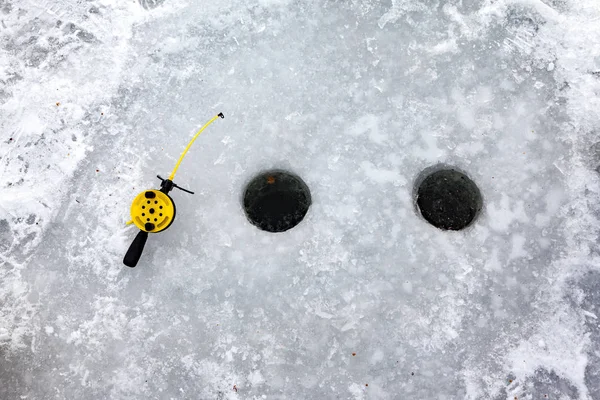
{"points": [[153, 211]]}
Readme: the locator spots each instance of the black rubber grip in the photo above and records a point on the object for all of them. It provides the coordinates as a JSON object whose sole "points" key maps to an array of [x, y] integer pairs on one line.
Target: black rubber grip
{"points": [[135, 250]]}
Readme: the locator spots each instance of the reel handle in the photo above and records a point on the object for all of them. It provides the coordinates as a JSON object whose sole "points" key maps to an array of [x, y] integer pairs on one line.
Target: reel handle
{"points": [[135, 249]]}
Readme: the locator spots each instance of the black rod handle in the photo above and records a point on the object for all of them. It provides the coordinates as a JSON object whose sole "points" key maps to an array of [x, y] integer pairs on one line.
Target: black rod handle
{"points": [[135, 250]]}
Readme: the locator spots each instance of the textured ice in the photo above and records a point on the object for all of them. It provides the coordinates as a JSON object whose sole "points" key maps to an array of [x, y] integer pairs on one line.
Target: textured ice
{"points": [[363, 299]]}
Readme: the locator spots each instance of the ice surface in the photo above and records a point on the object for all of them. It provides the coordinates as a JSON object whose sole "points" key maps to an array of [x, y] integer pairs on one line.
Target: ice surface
{"points": [[357, 98]]}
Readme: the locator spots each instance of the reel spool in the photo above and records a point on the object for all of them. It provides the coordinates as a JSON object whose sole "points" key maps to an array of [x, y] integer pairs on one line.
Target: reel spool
{"points": [[153, 211]]}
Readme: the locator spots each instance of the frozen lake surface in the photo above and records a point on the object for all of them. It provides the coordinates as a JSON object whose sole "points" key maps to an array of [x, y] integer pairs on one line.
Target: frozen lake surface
{"points": [[364, 299]]}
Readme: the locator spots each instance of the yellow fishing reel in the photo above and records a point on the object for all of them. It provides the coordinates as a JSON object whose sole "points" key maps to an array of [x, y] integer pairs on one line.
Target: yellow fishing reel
{"points": [[153, 211]]}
